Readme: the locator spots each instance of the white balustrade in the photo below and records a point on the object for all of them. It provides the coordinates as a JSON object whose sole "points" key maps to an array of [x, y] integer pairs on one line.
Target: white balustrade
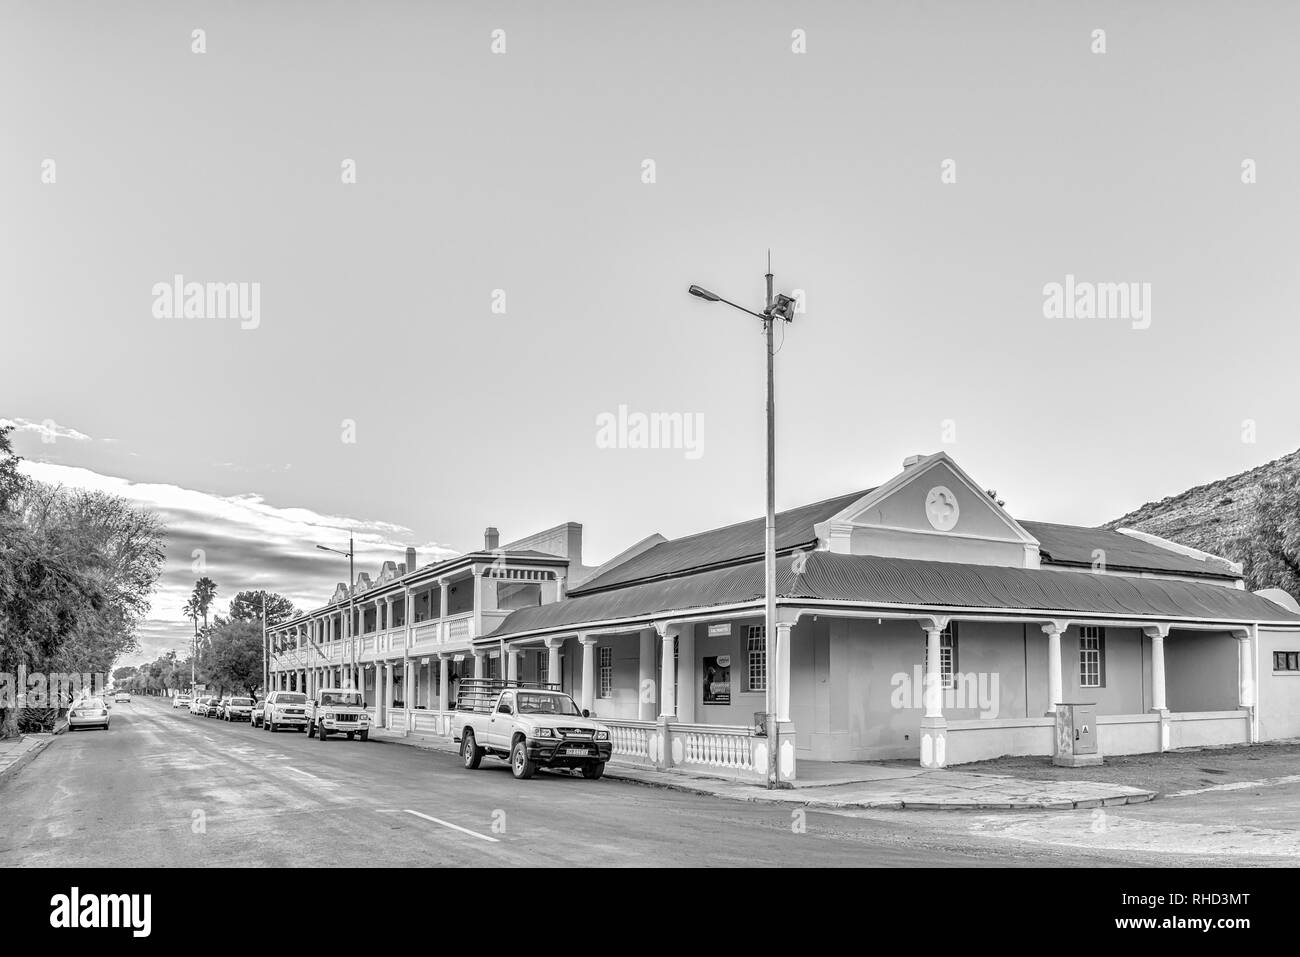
{"points": [[716, 747]]}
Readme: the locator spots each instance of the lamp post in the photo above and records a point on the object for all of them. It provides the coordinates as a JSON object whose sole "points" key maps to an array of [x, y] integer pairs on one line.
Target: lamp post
{"points": [[778, 307], [352, 603]]}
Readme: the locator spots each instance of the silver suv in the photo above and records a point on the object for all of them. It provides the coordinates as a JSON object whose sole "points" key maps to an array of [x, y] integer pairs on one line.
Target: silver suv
{"points": [[285, 709]]}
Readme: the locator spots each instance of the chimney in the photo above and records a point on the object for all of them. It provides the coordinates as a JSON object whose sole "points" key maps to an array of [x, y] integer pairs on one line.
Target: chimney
{"points": [[410, 559], [491, 539], [911, 460]]}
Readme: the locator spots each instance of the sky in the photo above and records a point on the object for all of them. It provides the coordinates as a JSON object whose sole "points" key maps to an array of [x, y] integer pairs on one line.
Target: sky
{"points": [[922, 172]]}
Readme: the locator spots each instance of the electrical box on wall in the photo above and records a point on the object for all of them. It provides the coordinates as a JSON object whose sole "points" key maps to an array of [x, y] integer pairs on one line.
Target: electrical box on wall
{"points": [[1076, 736]]}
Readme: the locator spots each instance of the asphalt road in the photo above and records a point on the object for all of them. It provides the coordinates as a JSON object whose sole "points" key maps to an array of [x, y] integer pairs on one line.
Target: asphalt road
{"points": [[164, 788]]}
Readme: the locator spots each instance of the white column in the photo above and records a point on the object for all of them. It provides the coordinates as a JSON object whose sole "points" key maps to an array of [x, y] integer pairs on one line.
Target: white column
{"points": [[553, 675], [686, 674], [512, 664], [443, 703], [784, 630], [443, 597], [1053, 631], [933, 695], [480, 664], [1157, 636], [588, 672], [645, 684], [667, 674], [1245, 669]]}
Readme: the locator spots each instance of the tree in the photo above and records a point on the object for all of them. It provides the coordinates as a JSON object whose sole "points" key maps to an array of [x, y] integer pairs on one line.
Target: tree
{"points": [[205, 592], [235, 658], [77, 569], [125, 673], [1270, 551], [247, 606]]}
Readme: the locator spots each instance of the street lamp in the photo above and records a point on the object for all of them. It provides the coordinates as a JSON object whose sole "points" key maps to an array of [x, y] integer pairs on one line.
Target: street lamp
{"points": [[778, 307], [352, 597]]}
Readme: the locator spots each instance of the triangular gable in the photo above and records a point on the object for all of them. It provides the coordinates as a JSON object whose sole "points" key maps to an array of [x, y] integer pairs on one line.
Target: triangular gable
{"points": [[931, 510]]}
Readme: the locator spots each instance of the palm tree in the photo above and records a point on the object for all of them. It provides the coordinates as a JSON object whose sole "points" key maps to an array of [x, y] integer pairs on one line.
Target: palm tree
{"points": [[192, 613], [205, 592]]}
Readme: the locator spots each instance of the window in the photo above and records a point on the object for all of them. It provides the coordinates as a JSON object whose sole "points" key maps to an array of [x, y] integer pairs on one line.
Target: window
{"points": [[543, 667], [606, 673], [947, 657], [756, 658], [1092, 656], [514, 595], [493, 667], [1286, 661]]}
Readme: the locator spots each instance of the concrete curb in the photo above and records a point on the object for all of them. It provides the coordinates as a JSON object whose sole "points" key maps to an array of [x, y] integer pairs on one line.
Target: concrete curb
{"points": [[689, 786], [892, 804], [25, 758]]}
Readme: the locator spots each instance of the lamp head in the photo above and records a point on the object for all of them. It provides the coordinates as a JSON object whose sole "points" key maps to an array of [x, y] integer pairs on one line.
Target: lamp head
{"points": [[782, 308], [702, 293]]}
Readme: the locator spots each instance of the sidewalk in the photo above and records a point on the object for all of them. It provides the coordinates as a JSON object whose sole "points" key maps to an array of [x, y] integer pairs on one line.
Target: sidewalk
{"points": [[868, 786], [17, 752]]}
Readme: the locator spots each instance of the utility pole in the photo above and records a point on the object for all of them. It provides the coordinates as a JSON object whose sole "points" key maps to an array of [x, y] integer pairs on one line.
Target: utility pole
{"points": [[778, 307], [769, 545], [266, 656]]}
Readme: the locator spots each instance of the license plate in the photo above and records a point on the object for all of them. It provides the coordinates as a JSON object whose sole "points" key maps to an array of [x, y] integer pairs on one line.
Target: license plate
{"points": [[575, 750]]}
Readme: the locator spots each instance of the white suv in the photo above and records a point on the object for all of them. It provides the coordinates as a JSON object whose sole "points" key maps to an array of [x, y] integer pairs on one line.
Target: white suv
{"points": [[285, 709]]}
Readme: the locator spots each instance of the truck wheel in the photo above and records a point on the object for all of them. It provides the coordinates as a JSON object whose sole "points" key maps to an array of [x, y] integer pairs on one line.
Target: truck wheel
{"points": [[322, 734], [593, 771], [365, 735], [352, 735], [470, 752], [311, 730], [269, 726], [520, 764]]}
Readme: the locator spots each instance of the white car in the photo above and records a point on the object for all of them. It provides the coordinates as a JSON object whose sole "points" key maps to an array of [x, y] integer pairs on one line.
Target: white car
{"points": [[181, 701], [121, 698], [285, 709], [198, 706], [88, 713]]}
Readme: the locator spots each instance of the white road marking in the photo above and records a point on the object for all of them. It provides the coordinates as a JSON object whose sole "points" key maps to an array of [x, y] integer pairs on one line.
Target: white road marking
{"points": [[1239, 786], [454, 827], [306, 774]]}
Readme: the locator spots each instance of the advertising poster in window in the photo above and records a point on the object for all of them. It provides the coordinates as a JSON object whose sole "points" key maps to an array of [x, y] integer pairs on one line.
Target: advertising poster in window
{"points": [[717, 680]]}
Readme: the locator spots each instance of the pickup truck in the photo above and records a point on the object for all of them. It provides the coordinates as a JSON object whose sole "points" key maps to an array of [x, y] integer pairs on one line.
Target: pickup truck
{"points": [[530, 726], [337, 711]]}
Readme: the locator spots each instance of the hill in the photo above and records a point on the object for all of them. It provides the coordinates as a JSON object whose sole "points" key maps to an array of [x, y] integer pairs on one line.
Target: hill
{"points": [[1250, 518]]}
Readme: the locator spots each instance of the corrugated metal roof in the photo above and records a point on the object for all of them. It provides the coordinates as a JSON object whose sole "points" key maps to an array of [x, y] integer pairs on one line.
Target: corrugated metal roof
{"points": [[872, 581], [867, 578], [1072, 545], [733, 544], [721, 546]]}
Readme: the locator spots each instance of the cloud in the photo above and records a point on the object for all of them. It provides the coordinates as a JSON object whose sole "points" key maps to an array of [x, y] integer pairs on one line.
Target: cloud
{"points": [[241, 542], [48, 430]]}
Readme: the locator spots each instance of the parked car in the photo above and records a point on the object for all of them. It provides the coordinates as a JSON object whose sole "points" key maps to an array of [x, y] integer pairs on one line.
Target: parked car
{"points": [[122, 698], [181, 701], [212, 707], [530, 726], [235, 708], [285, 709], [255, 716], [88, 713], [198, 705], [338, 711]]}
